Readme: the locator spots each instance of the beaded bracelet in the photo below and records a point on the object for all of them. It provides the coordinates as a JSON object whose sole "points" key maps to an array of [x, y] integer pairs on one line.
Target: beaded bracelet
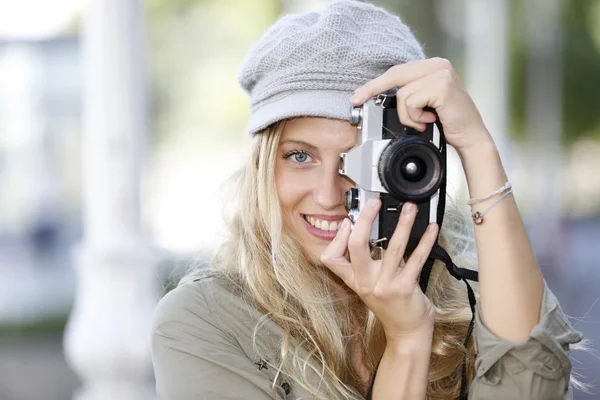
{"points": [[476, 200], [478, 217]]}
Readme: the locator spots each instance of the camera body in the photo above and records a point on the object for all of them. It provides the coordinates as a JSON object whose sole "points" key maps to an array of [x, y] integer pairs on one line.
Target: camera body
{"points": [[397, 164]]}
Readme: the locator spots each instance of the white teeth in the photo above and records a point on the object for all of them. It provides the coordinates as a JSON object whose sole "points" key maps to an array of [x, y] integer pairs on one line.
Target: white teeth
{"points": [[323, 225]]}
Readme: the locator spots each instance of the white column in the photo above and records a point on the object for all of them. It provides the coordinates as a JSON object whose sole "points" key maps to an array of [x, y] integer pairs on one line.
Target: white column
{"points": [[107, 337], [543, 113], [486, 67], [482, 25]]}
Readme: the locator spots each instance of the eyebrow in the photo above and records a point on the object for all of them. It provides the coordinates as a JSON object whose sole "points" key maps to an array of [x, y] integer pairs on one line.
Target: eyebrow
{"points": [[301, 143], [306, 144]]}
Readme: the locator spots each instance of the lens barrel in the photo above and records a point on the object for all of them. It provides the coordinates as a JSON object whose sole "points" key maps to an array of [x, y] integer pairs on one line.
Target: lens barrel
{"points": [[351, 199], [411, 169]]}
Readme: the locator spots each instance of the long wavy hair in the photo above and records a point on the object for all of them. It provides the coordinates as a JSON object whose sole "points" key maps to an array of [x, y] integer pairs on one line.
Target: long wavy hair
{"points": [[270, 269]]}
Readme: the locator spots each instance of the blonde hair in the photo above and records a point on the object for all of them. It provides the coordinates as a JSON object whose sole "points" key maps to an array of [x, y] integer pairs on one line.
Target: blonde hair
{"points": [[271, 271]]}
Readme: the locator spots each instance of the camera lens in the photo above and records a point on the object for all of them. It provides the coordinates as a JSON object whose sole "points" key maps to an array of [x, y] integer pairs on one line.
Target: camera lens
{"points": [[411, 169]]}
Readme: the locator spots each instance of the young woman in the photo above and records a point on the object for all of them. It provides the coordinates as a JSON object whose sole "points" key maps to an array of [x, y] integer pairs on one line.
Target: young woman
{"points": [[293, 305]]}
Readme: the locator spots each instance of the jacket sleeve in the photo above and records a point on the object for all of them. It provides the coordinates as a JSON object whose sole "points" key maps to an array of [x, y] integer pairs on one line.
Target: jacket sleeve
{"points": [[537, 368], [194, 359]]}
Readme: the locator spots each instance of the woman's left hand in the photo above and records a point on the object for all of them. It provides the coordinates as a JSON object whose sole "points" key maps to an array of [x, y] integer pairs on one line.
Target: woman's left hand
{"points": [[431, 83]]}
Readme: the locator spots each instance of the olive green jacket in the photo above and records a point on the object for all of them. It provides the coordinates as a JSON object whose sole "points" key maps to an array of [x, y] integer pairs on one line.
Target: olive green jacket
{"points": [[202, 349]]}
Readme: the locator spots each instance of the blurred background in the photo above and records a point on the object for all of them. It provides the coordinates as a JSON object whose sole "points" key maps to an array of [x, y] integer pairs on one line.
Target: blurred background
{"points": [[120, 120]]}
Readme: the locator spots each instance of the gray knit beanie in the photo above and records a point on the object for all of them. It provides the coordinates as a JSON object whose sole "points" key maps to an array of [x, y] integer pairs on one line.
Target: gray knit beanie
{"points": [[309, 64]]}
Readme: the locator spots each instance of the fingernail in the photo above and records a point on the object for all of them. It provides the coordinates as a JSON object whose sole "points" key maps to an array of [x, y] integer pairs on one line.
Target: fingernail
{"points": [[354, 98], [408, 208], [431, 227], [373, 202]]}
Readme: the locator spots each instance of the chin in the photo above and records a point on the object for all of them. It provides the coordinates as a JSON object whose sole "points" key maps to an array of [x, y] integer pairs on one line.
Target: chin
{"points": [[315, 252], [311, 249], [311, 246]]}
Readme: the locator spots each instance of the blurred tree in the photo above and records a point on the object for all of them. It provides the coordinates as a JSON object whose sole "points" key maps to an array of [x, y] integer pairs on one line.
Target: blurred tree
{"points": [[169, 6], [196, 49], [421, 17], [173, 29], [581, 70], [581, 58]]}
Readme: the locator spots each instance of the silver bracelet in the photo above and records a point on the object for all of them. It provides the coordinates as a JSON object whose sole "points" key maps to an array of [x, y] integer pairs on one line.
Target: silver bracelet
{"points": [[478, 217], [476, 200]]}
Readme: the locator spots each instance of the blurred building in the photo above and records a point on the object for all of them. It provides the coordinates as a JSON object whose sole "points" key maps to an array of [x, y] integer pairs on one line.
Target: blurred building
{"points": [[39, 175]]}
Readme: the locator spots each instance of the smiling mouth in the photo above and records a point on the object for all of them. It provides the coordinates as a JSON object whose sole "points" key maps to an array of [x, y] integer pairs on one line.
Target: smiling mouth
{"points": [[325, 226]]}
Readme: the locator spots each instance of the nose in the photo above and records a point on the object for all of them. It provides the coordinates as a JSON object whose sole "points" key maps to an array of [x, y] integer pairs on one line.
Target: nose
{"points": [[330, 189]]}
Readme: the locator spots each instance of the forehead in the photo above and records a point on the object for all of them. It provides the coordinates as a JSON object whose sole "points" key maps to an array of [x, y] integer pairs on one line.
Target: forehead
{"points": [[323, 133]]}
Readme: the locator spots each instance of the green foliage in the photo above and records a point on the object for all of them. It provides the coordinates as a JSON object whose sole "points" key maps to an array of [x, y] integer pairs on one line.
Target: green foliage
{"points": [[419, 16], [162, 7], [517, 71], [195, 38], [45, 326], [581, 60], [581, 70], [196, 49]]}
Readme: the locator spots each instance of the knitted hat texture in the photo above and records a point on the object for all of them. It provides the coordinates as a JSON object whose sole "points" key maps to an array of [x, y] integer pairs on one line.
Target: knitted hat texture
{"points": [[309, 64]]}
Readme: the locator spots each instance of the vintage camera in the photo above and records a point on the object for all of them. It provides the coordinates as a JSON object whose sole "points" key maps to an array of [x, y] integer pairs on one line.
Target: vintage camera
{"points": [[397, 164]]}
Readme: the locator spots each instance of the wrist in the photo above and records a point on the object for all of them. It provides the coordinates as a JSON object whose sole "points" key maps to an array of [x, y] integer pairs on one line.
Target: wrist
{"points": [[404, 368], [480, 160], [409, 346], [483, 170], [482, 148]]}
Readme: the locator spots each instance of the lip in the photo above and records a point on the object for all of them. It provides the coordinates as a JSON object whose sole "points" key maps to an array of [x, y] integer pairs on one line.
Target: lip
{"points": [[318, 233], [326, 217]]}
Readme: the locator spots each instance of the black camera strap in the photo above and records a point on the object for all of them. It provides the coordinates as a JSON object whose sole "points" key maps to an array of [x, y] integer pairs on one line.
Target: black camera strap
{"points": [[463, 274]]}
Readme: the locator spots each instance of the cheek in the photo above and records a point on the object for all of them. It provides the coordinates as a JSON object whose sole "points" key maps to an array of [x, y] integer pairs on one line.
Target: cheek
{"points": [[292, 187]]}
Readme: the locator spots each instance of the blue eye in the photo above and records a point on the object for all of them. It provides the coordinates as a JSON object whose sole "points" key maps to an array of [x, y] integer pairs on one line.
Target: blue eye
{"points": [[298, 156]]}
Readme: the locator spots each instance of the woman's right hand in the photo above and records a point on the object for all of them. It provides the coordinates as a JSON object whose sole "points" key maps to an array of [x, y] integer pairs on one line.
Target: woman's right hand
{"points": [[389, 287]]}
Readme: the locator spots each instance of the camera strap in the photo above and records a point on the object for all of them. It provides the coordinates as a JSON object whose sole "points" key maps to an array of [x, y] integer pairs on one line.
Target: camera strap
{"points": [[439, 253], [463, 274]]}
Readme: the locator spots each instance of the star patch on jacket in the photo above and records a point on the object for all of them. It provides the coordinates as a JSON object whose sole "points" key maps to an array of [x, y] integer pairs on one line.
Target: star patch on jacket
{"points": [[261, 364]]}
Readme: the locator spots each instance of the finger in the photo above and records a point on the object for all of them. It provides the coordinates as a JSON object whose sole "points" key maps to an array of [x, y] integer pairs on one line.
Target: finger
{"points": [[417, 259], [403, 115], [333, 257], [415, 108], [338, 246], [358, 244], [398, 76], [430, 91], [413, 98], [397, 245]]}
